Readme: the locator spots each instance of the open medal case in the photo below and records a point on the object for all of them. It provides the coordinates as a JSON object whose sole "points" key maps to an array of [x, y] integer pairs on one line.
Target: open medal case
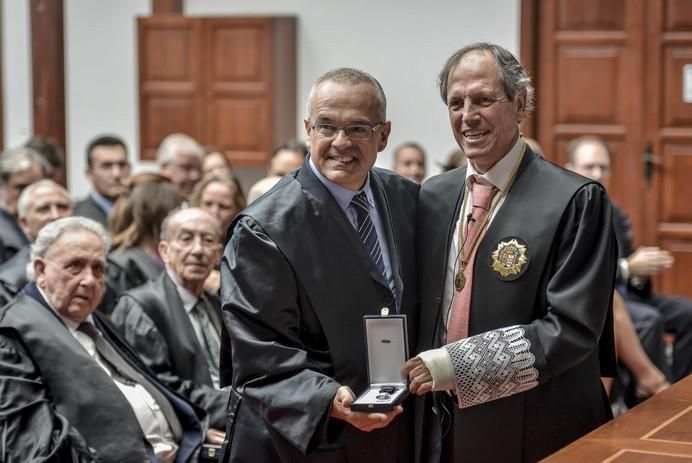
{"points": [[387, 350]]}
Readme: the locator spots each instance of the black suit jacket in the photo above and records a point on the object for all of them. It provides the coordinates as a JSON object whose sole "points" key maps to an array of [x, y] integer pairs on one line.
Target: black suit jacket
{"points": [[296, 282], [12, 238], [153, 321], [13, 275], [538, 341], [90, 209], [82, 392]]}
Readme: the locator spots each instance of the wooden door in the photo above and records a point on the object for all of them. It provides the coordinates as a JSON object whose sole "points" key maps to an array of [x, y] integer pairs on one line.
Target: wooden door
{"points": [[227, 82], [614, 68]]}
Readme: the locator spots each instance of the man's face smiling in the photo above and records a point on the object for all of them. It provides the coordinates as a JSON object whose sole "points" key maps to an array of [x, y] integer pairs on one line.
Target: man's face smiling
{"points": [[341, 159], [484, 121]]}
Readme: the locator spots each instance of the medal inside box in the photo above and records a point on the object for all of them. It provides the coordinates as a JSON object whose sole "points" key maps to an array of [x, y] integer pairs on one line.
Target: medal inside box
{"points": [[386, 345]]}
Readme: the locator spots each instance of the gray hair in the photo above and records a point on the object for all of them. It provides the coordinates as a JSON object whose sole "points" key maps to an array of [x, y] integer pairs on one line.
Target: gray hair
{"points": [[350, 76], [512, 74], [166, 224], [26, 196], [52, 232], [20, 159], [176, 143]]}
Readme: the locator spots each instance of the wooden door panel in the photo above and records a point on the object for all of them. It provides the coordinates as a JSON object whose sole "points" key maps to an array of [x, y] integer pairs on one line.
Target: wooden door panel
{"points": [[241, 127], [677, 188], [593, 15], [588, 70], [676, 113]]}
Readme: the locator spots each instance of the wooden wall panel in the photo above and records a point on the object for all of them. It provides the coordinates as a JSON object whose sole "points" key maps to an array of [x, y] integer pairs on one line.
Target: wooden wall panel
{"points": [[48, 72], [678, 281]]}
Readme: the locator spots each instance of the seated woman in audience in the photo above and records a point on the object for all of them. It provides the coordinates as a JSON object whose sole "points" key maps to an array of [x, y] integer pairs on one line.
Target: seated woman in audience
{"points": [[215, 162], [134, 258], [223, 197], [220, 195]]}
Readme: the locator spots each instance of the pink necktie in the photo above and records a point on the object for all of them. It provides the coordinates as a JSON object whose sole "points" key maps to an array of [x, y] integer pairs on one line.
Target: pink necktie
{"points": [[481, 197]]}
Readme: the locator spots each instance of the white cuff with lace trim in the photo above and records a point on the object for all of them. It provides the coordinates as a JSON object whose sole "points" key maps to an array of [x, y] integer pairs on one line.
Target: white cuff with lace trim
{"points": [[440, 368]]}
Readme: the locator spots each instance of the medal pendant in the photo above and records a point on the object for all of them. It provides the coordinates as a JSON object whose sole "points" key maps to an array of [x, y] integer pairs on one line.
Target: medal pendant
{"points": [[459, 281]]}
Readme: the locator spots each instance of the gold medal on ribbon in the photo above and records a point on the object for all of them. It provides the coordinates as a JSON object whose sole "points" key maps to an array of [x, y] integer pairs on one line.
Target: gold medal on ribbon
{"points": [[510, 258], [459, 280]]}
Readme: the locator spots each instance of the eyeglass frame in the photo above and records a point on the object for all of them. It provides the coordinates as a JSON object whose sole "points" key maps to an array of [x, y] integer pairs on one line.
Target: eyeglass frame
{"points": [[346, 130]]}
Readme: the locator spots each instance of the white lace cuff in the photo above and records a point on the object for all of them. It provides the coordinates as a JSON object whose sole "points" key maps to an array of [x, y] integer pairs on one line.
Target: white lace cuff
{"points": [[492, 365], [437, 362]]}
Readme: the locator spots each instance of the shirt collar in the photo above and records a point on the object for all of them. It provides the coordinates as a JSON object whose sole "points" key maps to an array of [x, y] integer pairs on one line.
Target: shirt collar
{"points": [[499, 174], [70, 324], [343, 196], [103, 202], [186, 297]]}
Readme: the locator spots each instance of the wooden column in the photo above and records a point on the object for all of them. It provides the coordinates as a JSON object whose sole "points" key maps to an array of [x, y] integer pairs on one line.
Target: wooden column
{"points": [[167, 7], [48, 70]]}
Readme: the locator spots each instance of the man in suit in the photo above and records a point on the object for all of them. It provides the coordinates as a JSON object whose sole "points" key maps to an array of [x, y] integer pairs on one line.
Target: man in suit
{"points": [[95, 380], [39, 204], [107, 169], [651, 313], [409, 161], [517, 257], [19, 168], [179, 157], [173, 323], [297, 279]]}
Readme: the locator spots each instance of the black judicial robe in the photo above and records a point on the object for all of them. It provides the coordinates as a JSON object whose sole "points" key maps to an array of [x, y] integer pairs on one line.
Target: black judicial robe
{"points": [[554, 317], [83, 393], [296, 282]]}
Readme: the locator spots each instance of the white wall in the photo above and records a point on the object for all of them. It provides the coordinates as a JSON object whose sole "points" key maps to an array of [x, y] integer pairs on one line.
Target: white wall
{"points": [[16, 73], [403, 43]]}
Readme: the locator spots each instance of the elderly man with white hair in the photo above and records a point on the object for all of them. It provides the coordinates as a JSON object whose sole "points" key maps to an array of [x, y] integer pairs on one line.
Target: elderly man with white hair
{"points": [[39, 204], [92, 377]]}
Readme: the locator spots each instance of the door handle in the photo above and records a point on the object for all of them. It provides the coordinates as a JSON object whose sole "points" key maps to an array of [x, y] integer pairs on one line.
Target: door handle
{"points": [[650, 161]]}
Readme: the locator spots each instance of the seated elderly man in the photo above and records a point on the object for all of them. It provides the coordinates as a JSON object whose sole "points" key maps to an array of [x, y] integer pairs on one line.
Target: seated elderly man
{"points": [[94, 379], [173, 323], [19, 168], [40, 203]]}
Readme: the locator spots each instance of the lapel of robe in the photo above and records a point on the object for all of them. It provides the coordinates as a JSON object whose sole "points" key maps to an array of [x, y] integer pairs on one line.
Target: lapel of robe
{"points": [[384, 210], [314, 187]]}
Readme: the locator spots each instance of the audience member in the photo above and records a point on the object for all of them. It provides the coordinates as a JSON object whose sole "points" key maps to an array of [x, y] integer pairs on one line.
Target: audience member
{"points": [[456, 158], [52, 153], [215, 163], [297, 279], [107, 168], [409, 161], [590, 157], [517, 263], [286, 158], [121, 214], [40, 203], [221, 196], [19, 168], [180, 159], [94, 380], [172, 323], [135, 259]]}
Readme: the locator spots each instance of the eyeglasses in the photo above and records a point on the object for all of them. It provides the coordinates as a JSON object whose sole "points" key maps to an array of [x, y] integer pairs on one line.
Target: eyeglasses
{"points": [[353, 132], [476, 101]]}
